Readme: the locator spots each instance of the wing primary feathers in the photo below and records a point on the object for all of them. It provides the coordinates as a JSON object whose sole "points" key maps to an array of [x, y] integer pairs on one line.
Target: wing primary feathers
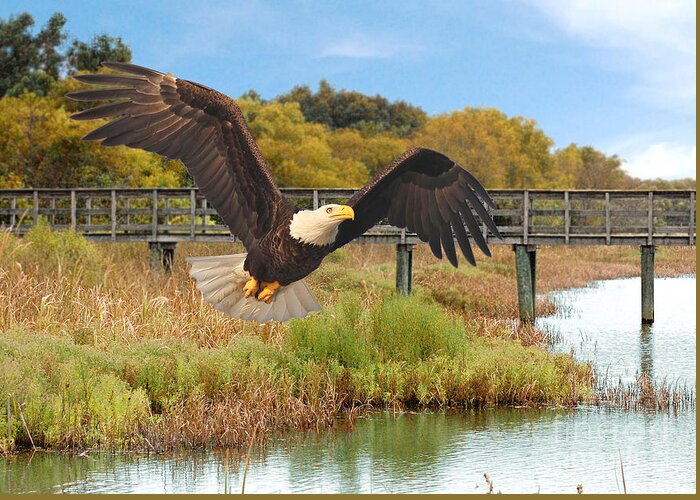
{"points": [[462, 238], [476, 186], [109, 94], [474, 229], [434, 243], [481, 211], [131, 68], [108, 129], [448, 243], [424, 212], [105, 79], [104, 111]]}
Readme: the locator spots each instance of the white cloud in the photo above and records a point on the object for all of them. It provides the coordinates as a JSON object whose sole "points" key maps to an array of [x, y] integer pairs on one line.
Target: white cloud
{"points": [[653, 40], [364, 47], [667, 160]]}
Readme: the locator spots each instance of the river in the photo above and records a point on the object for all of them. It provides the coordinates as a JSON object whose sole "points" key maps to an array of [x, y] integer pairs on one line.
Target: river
{"points": [[522, 450]]}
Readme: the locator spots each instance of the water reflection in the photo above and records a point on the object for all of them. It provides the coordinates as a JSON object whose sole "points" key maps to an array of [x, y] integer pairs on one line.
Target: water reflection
{"points": [[522, 450], [646, 351], [602, 325]]}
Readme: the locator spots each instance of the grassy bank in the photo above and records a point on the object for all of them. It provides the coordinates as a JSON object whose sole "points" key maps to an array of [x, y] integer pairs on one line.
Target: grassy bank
{"points": [[99, 351]]}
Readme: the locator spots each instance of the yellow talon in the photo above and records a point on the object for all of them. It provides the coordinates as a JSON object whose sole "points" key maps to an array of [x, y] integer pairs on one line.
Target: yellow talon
{"points": [[268, 291], [251, 287]]}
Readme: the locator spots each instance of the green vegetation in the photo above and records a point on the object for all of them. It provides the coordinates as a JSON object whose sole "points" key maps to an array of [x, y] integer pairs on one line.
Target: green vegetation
{"points": [[98, 351], [327, 138]]}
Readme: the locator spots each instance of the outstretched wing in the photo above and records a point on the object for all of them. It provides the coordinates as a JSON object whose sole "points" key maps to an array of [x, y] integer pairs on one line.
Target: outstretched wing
{"points": [[187, 121], [429, 194]]}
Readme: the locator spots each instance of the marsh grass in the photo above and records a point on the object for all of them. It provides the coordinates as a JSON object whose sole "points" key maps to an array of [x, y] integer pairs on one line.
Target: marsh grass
{"points": [[98, 351], [644, 393]]}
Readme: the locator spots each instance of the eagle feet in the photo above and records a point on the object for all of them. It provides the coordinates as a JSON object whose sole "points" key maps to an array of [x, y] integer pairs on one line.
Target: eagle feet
{"points": [[251, 287], [268, 291]]}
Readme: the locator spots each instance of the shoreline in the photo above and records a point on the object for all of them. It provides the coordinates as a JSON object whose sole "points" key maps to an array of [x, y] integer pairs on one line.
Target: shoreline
{"points": [[175, 377]]}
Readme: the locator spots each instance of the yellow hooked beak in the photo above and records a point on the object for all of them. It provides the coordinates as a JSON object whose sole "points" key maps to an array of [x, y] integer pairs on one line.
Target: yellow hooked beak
{"points": [[343, 212]]}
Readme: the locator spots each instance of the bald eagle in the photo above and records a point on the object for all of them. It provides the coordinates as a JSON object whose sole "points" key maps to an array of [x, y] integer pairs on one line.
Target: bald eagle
{"points": [[421, 190]]}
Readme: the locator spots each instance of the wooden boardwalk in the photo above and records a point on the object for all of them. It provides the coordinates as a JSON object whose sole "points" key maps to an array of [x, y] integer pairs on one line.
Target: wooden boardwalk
{"points": [[526, 218]]}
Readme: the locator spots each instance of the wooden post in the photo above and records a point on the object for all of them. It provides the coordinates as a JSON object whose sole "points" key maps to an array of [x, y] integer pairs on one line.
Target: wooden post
{"points": [[113, 214], [161, 255], [154, 214], [650, 219], [35, 208], [526, 267], [193, 213], [691, 223], [52, 206], [13, 216], [647, 284], [646, 346], [567, 217], [73, 210], [88, 208], [404, 268], [526, 214], [607, 218]]}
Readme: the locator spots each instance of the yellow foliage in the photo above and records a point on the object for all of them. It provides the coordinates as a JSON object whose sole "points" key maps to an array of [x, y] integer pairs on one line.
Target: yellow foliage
{"points": [[299, 153], [499, 151], [41, 146]]}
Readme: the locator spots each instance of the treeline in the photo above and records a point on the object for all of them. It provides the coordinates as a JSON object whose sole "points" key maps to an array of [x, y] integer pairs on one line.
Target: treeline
{"points": [[327, 138]]}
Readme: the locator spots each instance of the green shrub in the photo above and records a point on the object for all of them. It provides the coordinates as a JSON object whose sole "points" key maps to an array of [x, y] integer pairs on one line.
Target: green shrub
{"points": [[62, 253]]}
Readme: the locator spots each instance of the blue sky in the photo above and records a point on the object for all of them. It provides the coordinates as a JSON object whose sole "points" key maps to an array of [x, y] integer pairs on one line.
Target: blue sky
{"points": [[617, 74]]}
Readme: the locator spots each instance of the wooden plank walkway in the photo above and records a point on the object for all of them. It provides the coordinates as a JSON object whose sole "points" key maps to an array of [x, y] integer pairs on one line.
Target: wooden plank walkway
{"points": [[524, 217]]}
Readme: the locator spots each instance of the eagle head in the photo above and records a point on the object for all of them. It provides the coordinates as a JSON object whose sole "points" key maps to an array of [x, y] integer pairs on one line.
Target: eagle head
{"points": [[319, 227]]}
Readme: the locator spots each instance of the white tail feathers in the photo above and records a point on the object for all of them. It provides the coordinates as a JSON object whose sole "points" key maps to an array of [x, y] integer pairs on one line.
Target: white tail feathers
{"points": [[221, 278]]}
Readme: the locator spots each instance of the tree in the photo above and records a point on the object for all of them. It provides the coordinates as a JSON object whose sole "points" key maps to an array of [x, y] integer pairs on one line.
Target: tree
{"points": [[18, 52], [587, 168], [83, 56], [27, 62], [299, 153], [40, 146], [351, 109], [48, 41]]}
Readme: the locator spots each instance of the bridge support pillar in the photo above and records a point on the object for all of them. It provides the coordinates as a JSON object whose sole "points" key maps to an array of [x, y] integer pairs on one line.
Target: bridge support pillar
{"points": [[525, 267], [647, 284], [161, 255], [404, 268]]}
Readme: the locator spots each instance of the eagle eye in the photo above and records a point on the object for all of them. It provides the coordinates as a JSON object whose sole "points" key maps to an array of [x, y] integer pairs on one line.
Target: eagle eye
{"points": [[329, 210]]}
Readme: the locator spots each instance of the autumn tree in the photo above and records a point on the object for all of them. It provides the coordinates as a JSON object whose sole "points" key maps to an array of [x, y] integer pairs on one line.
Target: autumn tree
{"points": [[501, 151], [40, 146], [587, 168], [298, 153]]}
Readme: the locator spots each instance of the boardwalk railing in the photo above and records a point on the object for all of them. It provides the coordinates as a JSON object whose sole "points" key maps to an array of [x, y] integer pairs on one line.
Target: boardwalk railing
{"points": [[530, 217], [525, 218]]}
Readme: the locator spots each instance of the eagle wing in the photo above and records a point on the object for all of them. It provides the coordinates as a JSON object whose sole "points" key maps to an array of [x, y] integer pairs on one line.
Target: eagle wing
{"points": [[201, 127], [427, 193]]}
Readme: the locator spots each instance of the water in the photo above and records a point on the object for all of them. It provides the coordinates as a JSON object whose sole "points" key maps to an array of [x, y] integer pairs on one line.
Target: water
{"points": [[602, 324], [522, 450]]}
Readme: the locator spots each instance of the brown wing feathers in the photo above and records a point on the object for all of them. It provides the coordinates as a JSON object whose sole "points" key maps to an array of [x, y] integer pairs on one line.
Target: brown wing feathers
{"points": [[429, 194], [190, 122]]}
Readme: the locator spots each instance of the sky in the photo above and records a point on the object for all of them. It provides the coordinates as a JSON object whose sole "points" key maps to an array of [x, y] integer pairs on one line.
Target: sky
{"points": [[618, 75]]}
